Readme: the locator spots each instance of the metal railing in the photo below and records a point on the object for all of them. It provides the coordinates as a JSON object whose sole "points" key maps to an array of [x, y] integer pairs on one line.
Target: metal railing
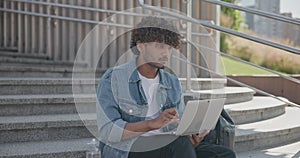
{"points": [[47, 14], [255, 11], [222, 29], [58, 29]]}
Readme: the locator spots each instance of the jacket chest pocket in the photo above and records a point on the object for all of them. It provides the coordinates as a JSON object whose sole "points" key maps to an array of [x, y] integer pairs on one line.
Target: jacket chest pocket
{"points": [[130, 110]]}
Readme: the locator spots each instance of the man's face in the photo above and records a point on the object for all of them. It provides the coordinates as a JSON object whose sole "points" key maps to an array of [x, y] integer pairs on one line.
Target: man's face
{"points": [[155, 54]]}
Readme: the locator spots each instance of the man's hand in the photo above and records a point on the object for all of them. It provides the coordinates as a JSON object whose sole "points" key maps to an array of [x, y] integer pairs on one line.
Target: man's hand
{"points": [[197, 138], [166, 117]]}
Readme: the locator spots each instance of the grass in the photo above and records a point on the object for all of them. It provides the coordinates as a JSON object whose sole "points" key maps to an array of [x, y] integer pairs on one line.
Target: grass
{"points": [[265, 56], [233, 67]]}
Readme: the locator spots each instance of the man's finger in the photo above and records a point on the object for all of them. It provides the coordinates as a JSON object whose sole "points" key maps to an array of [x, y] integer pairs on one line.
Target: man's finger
{"points": [[172, 111]]}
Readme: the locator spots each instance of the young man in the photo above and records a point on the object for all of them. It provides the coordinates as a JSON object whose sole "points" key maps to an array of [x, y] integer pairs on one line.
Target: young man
{"points": [[139, 99]]}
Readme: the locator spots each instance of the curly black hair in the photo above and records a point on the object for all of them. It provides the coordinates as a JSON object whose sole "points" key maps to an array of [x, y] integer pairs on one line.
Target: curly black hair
{"points": [[155, 29]]}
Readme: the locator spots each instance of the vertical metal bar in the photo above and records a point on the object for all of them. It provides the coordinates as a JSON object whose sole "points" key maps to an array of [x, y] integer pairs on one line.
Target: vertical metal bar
{"points": [[27, 30], [20, 30], [189, 49], [104, 35], [1, 24], [33, 31], [13, 26], [72, 35], [121, 40], [198, 28], [112, 34], [147, 11], [65, 31], [175, 63], [95, 44], [79, 31], [41, 30], [129, 21], [56, 29], [87, 29], [49, 33], [5, 25]]}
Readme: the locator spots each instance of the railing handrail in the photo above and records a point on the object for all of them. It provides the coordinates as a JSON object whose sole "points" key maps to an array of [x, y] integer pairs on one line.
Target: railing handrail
{"points": [[249, 63], [240, 83], [255, 11], [88, 21], [213, 72], [222, 29]]}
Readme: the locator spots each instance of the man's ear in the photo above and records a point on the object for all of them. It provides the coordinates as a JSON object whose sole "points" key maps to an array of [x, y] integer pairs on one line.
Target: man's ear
{"points": [[140, 46]]}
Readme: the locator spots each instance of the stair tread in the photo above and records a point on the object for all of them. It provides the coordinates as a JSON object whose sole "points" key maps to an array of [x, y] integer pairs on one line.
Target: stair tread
{"points": [[220, 80], [43, 147], [226, 90], [41, 121], [45, 96], [282, 122], [45, 81], [290, 150], [256, 103]]}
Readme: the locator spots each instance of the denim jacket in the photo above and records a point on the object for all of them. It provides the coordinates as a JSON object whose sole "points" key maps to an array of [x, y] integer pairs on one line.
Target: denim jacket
{"points": [[121, 100]]}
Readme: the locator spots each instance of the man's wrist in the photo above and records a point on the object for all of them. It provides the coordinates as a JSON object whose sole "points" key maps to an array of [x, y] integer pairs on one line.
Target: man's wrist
{"points": [[149, 125]]}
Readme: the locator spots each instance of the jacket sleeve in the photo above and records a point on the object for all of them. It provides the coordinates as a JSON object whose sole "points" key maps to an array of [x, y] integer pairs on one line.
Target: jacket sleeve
{"points": [[109, 120]]}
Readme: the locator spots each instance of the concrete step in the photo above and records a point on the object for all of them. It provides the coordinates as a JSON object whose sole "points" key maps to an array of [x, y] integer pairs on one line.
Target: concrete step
{"points": [[51, 72], [15, 54], [46, 127], [16, 86], [232, 94], [257, 109], [290, 150], [271, 132], [27, 86], [26, 61], [21, 105], [74, 148], [203, 83]]}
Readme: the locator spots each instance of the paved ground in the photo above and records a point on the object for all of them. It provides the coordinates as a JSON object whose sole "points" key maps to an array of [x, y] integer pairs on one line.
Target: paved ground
{"points": [[286, 151]]}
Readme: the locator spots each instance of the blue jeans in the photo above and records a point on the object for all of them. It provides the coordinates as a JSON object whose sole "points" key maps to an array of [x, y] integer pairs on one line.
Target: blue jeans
{"points": [[179, 148], [208, 150]]}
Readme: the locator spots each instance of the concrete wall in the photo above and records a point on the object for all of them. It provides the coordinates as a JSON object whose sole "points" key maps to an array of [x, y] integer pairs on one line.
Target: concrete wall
{"points": [[272, 84]]}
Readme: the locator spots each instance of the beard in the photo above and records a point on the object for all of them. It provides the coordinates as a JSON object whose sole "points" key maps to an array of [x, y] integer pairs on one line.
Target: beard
{"points": [[155, 65]]}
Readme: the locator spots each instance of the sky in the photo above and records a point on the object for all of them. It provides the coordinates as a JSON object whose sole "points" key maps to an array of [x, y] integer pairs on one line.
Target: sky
{"points": [[286, 6], [292, 6]]}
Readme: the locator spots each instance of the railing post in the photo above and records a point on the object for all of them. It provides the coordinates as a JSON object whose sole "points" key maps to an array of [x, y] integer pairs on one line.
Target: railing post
{"points": [[188, 47], [56, 29], [71, 35], [14, 25], [5, 25], [65, 36], [20, 30], [27, 30], [33, 31], [49, 33], [41, 40], [1, 24], [80, 33]]}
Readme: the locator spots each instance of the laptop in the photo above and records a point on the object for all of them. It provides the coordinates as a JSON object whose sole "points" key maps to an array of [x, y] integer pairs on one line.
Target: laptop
{"points": [[198, 117]]}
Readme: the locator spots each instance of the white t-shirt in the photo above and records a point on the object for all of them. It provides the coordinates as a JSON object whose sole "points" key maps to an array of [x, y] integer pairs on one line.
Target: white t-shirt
{"points": [[150, 86]]}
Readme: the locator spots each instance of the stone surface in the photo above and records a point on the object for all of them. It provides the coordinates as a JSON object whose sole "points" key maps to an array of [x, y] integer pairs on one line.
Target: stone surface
{"points": [[284, 128], [257, 109], [232, 94], [46, 127], [74, 148]]}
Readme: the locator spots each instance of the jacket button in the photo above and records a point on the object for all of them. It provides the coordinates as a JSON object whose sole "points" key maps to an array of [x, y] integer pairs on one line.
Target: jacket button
{"points": [[130, 110]]}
